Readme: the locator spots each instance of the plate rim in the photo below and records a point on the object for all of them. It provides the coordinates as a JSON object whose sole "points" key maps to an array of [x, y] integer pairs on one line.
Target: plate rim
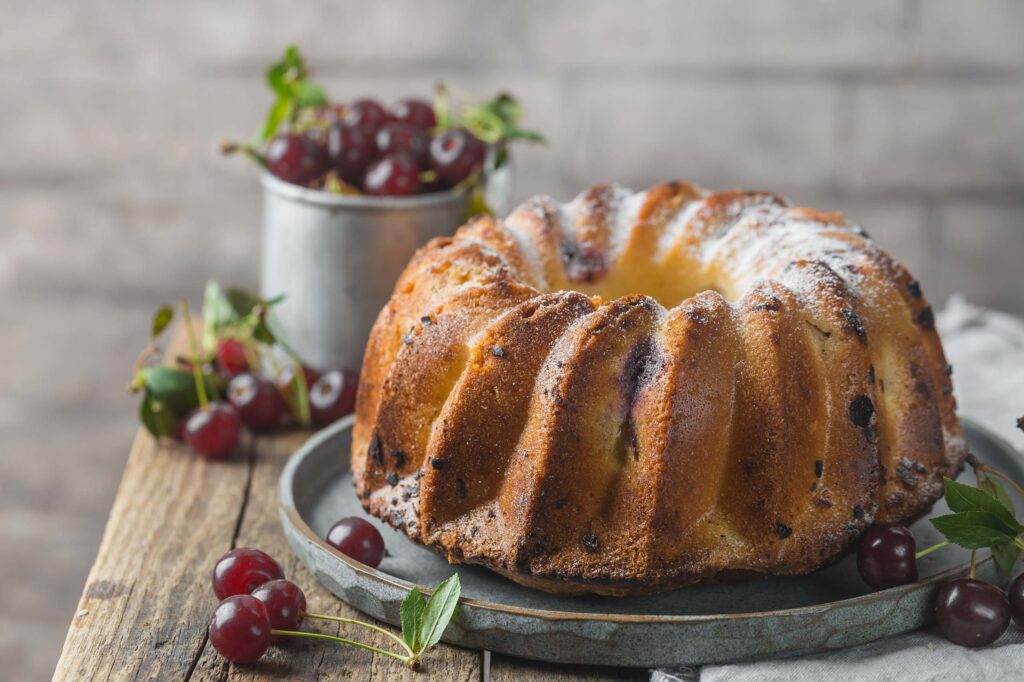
{"points": [[287, 508]]}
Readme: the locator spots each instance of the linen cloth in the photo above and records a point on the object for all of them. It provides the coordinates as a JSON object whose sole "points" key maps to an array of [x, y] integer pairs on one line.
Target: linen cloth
{"points": [[986, 349]]}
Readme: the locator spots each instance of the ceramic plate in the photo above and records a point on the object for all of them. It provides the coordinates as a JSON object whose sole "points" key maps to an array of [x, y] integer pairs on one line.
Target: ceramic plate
{"points": [[829, 609]]}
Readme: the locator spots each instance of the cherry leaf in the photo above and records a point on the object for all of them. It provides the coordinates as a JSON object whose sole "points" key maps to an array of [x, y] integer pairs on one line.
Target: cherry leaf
{"points": [[161, 318]]}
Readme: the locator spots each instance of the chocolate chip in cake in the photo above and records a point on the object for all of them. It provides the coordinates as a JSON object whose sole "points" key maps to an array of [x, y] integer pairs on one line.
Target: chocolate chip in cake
{"points": [[914, 287], [926, 318], [437, 462], [375, 450], [858, 513], [819, 467], [949, 373], [920, 468], [498, 352], [398, 456], [391, 479], [782, 530], [426, 320], [591, 543], [853, 324], [861, 411], [460, 487]]}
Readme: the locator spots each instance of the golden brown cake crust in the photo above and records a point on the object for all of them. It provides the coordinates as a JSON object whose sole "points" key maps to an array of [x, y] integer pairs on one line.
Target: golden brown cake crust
{"points": [[638, 391]]}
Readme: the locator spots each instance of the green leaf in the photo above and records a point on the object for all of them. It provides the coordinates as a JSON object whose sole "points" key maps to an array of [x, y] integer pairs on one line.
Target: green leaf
{"points": [[439, 611], [528, 135], [412, 618], [994, 487], [161, 318], [242, 301], [484, 124], [965, 498], [309, 95], [1006, 556], [507, 108], [478, 204], [175, 388], [218, 313], [158, 419], [973, 529], [279, 112]]}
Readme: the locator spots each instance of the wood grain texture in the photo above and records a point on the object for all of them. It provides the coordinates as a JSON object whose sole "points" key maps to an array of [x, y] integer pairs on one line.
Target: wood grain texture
{"points": [[147, 601]]}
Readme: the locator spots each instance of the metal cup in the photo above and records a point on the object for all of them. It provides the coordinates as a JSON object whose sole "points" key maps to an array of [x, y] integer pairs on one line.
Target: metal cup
{"points": [[337, 258]]}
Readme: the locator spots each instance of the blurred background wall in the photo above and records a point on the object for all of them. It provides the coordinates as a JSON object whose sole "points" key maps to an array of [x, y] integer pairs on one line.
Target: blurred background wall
{"points": [[907, 115]]}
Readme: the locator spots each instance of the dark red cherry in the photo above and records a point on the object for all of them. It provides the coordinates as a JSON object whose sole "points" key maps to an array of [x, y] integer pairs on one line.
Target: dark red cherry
{"points": [[413, 111], [367, 115], [886, 556], [455, 154], [297, 158], [213, 432], [333, 396], [258, 402], [286, 605], [1015, 596], [231, 356], [403, 138], [392, 175], [240, 629], [972, 612], [350, 151], [242, 570], [357, 538]]}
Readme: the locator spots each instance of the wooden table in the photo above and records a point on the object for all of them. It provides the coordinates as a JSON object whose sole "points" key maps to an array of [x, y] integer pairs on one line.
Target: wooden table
{"points": [[147, 602]]}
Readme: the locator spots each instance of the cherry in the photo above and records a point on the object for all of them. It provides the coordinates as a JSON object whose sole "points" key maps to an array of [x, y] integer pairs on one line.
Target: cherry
{"points": [[972, 612], [231, 356], [394, 138], [367, 115], [285, 603], [350, 151], [213, 432], [414, 111], [333, 396], [242, 570], [455, 154], [358, 539], [240, 629], [392, 175], [1016, 598], [886, 556], [297, 158], [258, 402]]}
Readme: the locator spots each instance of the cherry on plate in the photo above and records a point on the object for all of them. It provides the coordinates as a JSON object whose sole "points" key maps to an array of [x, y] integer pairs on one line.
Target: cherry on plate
{"points": [[231, 356], [455, 154], [213, 432], [392, 175], [403, 138], [414, 111], [886, 556], [972, 612], [297, 158], [350, 151], [285, 603], [240, 629], [257, 401], [333, 396], [366, 114], [242, 570], [357, 538]]}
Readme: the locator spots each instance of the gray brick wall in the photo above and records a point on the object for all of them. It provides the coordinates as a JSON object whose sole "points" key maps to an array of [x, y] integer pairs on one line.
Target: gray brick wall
{"points": [[907, 115]]}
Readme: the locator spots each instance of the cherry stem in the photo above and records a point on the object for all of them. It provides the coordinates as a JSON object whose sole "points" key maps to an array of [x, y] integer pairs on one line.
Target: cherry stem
{"points": [[998, 474], [197, 368], [971, 574], [339, 619], [341, 640], [929, 550], [302, 399]]}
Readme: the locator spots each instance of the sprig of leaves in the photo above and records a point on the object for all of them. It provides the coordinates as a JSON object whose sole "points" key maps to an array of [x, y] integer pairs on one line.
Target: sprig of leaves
{"points": [[425, 620], [982, 517], [289, 79]]}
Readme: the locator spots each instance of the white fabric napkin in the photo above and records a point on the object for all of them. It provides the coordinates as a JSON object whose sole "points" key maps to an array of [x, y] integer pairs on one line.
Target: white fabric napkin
{"points": [[986, 349]]}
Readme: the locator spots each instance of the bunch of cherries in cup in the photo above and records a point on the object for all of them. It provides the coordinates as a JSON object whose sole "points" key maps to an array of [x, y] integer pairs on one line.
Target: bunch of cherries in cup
{"points": [[365, 147], [259, 606], [970, 612]]}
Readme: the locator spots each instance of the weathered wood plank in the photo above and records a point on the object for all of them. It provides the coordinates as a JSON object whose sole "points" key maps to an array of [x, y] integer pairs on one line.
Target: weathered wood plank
{"points": [[145, 606], [507, 668]]}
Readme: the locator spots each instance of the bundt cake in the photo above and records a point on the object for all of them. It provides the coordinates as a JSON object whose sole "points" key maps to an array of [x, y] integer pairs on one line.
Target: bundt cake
{"points": [[639, 391]]}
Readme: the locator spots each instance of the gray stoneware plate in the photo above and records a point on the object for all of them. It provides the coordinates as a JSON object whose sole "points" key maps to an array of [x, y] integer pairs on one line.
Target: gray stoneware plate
{"points": [[829, 609]]}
